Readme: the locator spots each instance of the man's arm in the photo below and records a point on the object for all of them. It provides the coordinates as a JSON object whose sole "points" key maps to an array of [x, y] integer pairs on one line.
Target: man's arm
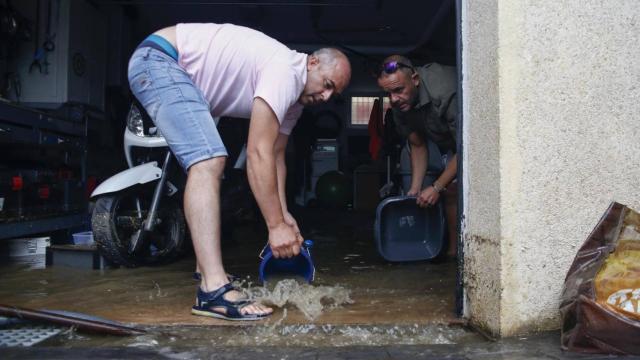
{"points": [[430, 195], [281, 169], [451, 169], [262, 174], [449, 172], [452, 117], [419, 157]]}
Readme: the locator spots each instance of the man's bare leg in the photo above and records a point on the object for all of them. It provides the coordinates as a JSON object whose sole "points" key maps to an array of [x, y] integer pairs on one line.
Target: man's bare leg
{"points": [[451, 211], [202, 211]]}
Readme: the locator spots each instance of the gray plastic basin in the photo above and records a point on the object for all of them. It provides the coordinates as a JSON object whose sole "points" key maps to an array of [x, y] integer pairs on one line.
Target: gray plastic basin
{"points": [[406, 232]]}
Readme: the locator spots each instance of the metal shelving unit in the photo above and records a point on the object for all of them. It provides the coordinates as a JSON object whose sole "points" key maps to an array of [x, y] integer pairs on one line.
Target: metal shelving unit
{"points": [[33, 130]]}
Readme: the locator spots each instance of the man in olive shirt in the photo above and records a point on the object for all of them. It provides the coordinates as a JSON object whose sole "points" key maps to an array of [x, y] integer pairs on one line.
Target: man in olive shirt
{"points": [[424, 106]]}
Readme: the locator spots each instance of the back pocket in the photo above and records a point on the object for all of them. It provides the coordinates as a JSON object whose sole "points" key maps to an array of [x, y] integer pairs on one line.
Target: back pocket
{"points": [[140, 82]]}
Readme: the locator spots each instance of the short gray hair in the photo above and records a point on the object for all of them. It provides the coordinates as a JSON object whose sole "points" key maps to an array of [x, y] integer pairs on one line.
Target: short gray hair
{"points": [[399, 58], [329, 56]]}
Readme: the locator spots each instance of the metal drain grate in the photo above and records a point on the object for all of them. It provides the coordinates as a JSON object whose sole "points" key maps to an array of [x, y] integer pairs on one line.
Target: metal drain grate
{"points": [[26, 335]]}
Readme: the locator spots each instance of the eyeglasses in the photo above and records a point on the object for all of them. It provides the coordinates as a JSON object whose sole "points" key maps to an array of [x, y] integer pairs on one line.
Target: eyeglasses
{"points": [[393, 66]]}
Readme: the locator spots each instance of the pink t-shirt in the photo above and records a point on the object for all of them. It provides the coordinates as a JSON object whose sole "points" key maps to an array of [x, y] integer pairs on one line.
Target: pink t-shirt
{"points": [[233, 64]]}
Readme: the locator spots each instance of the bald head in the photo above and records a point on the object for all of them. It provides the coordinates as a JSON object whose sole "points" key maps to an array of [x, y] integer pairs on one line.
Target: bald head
{"points": [[328, 73], [335, 60]]}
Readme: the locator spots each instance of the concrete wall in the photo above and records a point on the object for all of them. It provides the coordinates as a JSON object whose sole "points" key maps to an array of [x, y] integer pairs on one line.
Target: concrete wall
{"points": [[551, 136], [481, 219]]}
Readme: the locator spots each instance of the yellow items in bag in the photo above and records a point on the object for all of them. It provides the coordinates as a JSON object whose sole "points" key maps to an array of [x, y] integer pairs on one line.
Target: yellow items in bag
{"points": [[617, 283]]}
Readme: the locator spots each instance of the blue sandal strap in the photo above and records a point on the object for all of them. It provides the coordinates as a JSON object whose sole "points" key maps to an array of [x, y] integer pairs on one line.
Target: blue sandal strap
{"points": [[208, 302], [217, 296]]}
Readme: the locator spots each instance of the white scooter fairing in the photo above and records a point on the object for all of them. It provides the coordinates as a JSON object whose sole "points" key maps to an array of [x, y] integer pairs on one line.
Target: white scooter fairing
{"points": [[140, 174], [147, 172], [131, 140]]}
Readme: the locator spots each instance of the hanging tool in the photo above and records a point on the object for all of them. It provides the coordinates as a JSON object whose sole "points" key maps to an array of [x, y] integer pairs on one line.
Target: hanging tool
{"points": [[38, 53], [48, 45]]}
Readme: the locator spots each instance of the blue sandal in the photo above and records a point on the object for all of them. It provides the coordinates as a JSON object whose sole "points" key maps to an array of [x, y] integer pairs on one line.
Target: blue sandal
{"points": [[208, 304]]}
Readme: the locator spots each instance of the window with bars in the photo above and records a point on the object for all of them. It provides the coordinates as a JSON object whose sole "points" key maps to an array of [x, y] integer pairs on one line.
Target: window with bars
{"points": [[361, 107]]}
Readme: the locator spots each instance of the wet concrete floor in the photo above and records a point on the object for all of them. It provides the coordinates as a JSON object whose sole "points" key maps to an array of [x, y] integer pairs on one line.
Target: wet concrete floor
{"points": [[358, 286]]}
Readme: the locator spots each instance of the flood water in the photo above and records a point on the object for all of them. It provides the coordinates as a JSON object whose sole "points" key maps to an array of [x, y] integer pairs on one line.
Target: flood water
{"points": [[357, 297]]}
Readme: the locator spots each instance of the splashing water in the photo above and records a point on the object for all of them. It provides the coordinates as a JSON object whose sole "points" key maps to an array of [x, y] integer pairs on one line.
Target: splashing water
{"points": [[310, 300], [168, 339]]}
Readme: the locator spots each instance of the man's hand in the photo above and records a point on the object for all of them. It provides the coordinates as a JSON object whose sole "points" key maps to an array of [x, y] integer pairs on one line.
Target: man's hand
{"points": [[289, 220], [413, 192], [428, 197], [284, 241]]}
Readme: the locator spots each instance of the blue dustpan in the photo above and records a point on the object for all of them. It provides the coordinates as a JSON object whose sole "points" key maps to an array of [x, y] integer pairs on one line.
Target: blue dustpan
{"points": [[300, 265]]}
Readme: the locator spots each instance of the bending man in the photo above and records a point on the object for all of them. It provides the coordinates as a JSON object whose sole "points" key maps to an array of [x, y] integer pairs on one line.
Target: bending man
{"points": [[185, 74], [424, 106]]}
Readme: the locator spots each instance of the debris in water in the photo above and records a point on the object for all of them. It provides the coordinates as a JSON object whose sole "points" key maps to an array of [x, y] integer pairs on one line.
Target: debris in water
{"points": [[310, 300], [159, 292], [363, 267]]}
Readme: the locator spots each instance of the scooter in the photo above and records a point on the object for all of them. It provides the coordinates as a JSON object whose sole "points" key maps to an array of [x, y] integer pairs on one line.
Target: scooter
{"points": [[137, 217]]}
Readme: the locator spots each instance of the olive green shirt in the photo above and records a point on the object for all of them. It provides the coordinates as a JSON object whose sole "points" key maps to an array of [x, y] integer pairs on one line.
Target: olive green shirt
{"points": [[434, 116]]}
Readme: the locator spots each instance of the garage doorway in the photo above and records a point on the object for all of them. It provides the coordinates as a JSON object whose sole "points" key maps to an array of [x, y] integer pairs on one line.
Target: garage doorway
{"points": [[355, 287]]}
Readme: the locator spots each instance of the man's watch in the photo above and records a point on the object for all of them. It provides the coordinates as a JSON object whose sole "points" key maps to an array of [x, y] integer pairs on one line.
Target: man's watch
{"points": [[437, 187]]}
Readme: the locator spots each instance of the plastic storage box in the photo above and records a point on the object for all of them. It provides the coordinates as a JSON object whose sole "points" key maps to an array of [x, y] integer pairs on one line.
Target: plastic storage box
{"points": [[406, 232], [83, 238]]}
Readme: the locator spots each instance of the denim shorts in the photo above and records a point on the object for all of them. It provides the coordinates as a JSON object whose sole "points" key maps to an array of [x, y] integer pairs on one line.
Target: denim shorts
{"points": [[176, 106]]}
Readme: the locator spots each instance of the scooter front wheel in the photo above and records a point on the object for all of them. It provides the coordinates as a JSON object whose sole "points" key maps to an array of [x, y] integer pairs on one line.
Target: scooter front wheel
{"points": [[117, 222]]}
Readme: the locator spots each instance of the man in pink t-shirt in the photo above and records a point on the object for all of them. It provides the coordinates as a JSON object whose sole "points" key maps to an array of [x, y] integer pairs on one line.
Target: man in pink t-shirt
{"points": [[185, 74]]}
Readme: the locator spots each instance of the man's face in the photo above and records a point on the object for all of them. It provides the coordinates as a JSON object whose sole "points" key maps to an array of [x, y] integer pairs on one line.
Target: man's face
{"points": [[402, 89], [324, 81]]}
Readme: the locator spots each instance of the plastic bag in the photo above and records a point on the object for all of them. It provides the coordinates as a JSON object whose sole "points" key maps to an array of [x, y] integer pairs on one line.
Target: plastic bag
{"points": [[600, 303]]}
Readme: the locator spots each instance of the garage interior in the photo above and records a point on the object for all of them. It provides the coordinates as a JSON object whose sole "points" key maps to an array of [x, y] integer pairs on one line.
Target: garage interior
{"points": [[63, 110]]}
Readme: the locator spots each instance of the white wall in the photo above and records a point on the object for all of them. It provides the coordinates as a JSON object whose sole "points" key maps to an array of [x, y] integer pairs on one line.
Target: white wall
{"points": [[481, 211], [552, 136], [76, 71]]}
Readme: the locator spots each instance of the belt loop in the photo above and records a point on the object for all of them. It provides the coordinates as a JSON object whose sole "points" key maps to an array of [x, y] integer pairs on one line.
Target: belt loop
{"points": [[146, 52]]}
